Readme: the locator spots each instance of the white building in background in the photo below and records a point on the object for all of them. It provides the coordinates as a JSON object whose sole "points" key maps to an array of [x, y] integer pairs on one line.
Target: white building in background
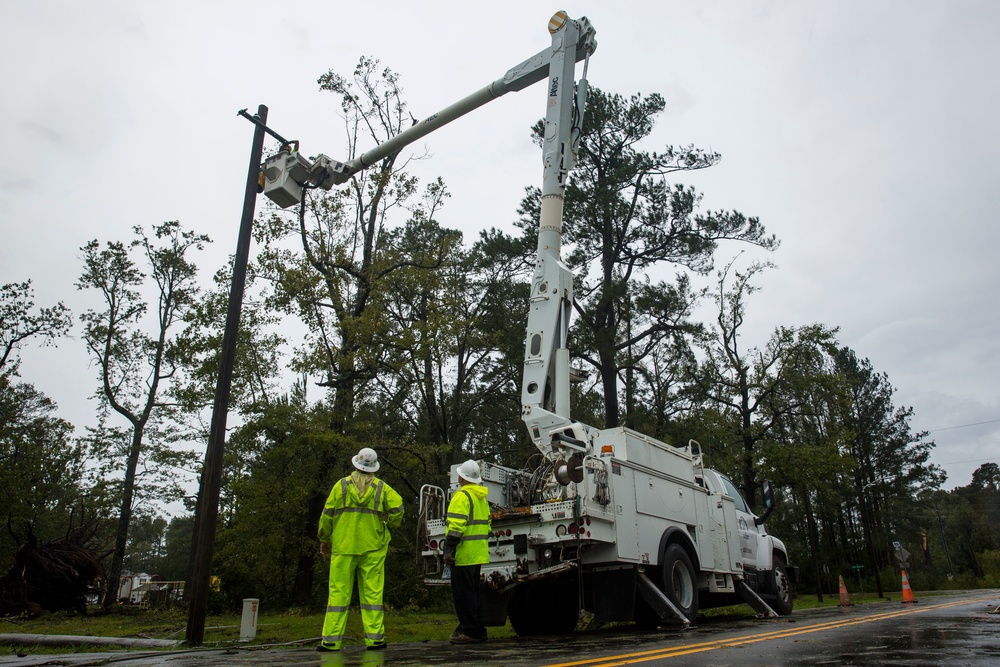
{"points": [[131, 589]]}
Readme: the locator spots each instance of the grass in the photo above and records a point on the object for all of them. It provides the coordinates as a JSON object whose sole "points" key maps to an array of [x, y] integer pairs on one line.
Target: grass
{"points": [[298, 626], [808, 601], [279, 628]]}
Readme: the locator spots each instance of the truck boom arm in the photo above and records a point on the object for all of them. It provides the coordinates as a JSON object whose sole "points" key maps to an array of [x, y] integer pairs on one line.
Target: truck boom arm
{"points": [[545, 387], [286, 172], [532, 70], [545, 406]]}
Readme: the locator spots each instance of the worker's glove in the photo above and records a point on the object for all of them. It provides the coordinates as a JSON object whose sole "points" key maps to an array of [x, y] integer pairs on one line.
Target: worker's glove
{"points": [[449, 550], [325, 549]]}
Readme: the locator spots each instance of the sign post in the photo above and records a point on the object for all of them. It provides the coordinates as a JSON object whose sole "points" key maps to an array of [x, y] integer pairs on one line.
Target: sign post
{"points": [[858, 568], [248, 624], [902, 555]]}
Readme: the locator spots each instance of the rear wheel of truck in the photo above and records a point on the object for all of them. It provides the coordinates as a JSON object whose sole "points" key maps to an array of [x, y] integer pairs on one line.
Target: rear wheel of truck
{"points": [[680, 582], [544, 607], [781, 587]]}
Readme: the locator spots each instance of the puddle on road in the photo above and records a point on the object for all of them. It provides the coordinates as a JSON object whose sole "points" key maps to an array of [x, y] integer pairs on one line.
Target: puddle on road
{"points": [[966, 641]]}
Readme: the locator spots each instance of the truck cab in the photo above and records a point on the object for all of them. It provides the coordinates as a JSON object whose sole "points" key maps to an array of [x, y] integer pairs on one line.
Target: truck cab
{"points": [[762, 556]]}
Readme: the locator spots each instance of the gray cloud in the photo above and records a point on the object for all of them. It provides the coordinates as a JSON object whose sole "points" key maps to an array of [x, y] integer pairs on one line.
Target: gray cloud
{"points": [[862, 133]]}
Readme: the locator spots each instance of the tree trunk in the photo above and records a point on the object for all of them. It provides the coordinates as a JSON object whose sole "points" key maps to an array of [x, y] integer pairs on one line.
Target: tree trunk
{"points": [[609, 381], [747, 441], [606, 325], [124, 518], [869, 538], [813, 542], [305, 571]]}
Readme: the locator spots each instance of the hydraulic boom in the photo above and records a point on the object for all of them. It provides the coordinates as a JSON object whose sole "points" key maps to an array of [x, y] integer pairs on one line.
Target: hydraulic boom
{"points": [[545, 388]]}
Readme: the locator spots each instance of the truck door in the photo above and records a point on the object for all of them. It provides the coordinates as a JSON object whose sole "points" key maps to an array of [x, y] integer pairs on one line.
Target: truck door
{"points": [[623, 482], [744, 525]]}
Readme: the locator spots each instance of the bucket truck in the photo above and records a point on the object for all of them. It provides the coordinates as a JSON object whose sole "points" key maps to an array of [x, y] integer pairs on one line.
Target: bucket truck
{"points": [[611, 522]]}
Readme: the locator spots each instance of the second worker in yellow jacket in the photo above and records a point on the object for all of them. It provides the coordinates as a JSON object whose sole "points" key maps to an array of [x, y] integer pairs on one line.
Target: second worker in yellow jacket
{"points": [[467, 550]]}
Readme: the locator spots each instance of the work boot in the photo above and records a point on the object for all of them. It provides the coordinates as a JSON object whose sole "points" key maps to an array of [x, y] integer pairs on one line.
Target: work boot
{"points": [[376, 646], [327, 647], [459, 638]]}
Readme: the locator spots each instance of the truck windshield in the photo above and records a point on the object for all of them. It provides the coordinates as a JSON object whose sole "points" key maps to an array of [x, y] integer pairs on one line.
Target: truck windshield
{"points": [[731, 490]]}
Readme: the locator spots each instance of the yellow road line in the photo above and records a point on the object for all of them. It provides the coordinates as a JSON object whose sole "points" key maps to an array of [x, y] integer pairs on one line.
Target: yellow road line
{"points": [[687, 649]]}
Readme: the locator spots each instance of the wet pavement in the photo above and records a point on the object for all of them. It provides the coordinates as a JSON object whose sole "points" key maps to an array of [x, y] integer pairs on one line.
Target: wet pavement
{"points": [[951, 629], [510, 652]]}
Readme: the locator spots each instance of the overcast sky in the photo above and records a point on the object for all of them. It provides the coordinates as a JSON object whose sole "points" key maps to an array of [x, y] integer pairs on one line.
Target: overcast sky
{"points": [[863, 134]]}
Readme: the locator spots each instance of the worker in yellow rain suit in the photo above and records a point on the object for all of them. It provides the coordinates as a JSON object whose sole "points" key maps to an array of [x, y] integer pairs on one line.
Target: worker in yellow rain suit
{"points": [[354, 535], [466, 550]]}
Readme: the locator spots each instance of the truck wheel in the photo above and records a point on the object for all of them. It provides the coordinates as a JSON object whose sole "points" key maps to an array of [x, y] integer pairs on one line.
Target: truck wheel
{"points": [[544, 608], [679, 581], [781, 587]]}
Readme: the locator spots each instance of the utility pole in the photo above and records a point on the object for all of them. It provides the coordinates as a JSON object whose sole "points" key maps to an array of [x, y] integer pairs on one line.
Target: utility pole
{"points": [[867, 526], [207, 509], [868, 523], [944, 542]]}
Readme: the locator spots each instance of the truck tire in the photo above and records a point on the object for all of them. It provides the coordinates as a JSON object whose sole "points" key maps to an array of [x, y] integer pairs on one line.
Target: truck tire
{"points": [[544, 608], [781, 587], [680, 583]]}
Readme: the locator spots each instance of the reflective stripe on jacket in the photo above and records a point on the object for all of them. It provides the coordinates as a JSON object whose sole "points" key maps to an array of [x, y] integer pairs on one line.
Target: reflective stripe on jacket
{"points": [[469, 520], [357, 524]]}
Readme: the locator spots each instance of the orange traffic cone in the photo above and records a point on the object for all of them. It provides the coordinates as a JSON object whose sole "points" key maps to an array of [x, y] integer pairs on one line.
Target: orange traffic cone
{"points": [[845, 599], [907, 591]]}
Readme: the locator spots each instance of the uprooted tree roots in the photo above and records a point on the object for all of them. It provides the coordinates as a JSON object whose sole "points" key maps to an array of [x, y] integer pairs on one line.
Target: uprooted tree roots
{"points": [[55, 576]]}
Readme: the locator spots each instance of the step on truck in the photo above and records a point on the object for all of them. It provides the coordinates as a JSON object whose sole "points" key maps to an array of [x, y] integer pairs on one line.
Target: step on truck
{"points": [[605, 521]]}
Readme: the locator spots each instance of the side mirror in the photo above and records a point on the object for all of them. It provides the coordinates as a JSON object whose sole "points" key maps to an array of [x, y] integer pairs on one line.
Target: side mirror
{"points": [[767, 491]]}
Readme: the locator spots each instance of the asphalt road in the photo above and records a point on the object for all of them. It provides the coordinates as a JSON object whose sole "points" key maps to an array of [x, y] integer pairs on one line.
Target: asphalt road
{"points": [[955, 629]]}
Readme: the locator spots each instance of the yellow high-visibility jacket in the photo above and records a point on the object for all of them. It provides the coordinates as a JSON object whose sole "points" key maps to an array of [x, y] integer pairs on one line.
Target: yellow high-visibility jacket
{"points": [[469, 523], [355, 524]]}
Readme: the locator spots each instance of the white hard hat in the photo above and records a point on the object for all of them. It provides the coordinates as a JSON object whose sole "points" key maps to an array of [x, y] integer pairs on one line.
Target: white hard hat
{"points": [[366, 460], [469, 471]]}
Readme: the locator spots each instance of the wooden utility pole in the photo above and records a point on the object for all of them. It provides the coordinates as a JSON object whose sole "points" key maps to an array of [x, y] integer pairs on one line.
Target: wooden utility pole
{"points": [[207, 509]]}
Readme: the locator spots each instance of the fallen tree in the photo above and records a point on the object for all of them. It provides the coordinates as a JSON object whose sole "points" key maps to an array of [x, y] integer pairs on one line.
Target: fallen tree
{"points": [[58, 575], [25, 639]]}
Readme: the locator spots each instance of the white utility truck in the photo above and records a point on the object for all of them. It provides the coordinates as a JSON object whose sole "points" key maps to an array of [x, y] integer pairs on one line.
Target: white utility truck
{"points": [[609, 521]]}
